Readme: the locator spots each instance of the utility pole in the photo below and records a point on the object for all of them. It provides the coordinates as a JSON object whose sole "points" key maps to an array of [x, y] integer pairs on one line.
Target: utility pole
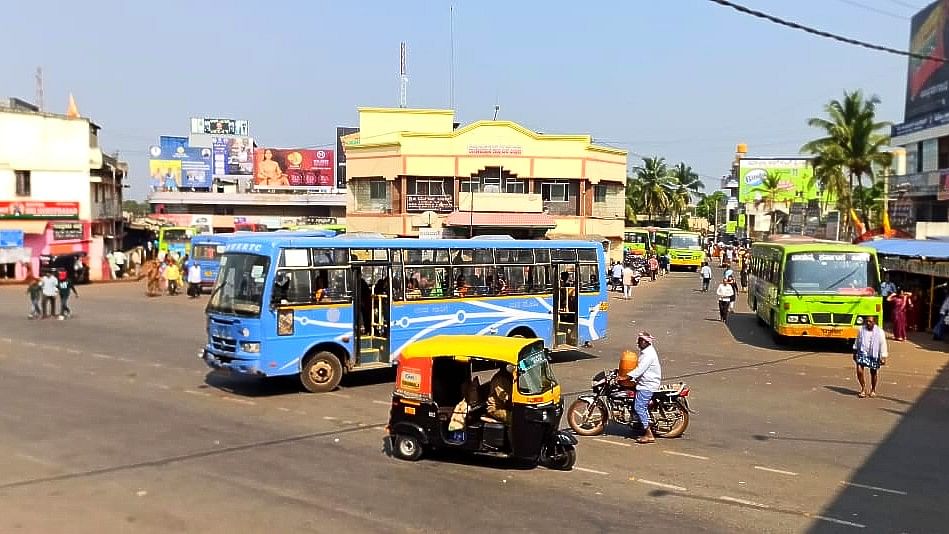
{"points": [[716, 220], [39, 88]]}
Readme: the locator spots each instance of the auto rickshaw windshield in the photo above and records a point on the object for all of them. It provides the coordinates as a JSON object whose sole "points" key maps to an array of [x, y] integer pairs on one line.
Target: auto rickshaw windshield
{"points": [[534, 374]]}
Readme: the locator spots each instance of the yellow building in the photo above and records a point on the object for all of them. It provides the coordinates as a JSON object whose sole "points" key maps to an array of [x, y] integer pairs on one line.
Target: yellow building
{"points": [[412, 172]]}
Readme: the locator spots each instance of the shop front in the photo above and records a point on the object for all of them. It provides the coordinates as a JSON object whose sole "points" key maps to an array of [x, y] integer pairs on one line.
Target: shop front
{"points": [[920, 267], [45, 232]]}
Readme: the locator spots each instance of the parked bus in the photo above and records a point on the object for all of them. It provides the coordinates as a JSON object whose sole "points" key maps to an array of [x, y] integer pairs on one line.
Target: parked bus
{"points": [[250, 227], [206, 250], [636, 241], [683, 247], [175, 239], [321, 307], [814, 289]]}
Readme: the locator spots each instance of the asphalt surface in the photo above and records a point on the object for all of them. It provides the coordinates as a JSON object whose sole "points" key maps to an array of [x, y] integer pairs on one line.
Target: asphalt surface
{"points": [[110, 423]]}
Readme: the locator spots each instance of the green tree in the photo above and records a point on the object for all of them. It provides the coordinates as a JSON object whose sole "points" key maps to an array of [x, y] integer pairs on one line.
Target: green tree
{"points": [[686, 177], [772, 188], [854, 144], [869, 201], [137, 209], [707, 205], [653, 178], [634, 199]]}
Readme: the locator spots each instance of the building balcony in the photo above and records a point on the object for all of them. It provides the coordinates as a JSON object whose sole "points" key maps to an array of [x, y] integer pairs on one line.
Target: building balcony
{"points": [[501, 202], [917, 184], [105, 210]]}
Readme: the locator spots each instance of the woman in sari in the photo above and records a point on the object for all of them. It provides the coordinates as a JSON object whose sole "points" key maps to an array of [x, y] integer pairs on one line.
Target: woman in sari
{"points": [[902, 303]]}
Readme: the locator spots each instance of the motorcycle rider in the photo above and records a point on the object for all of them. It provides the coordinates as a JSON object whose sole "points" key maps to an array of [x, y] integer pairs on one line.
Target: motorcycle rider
{"points": [[648, 378], [617, 274]]}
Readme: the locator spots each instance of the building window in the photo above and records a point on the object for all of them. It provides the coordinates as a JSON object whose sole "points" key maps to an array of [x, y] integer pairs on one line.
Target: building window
{"points": [[471, 184], [22, 183], [599, 193], [437, 187], [377, 190], [514, 186], [554, 191]]}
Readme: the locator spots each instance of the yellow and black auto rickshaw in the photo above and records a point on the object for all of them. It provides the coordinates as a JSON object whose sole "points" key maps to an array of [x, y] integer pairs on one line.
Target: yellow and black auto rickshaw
{"points": [[440, 403]]}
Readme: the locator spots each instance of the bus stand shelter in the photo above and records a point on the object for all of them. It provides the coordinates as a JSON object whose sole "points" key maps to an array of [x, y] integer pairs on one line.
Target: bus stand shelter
{"points": [[921, 266]]}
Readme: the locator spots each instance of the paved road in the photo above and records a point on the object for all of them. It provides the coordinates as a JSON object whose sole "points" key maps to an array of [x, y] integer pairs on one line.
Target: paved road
{"points": [[109, 422]]}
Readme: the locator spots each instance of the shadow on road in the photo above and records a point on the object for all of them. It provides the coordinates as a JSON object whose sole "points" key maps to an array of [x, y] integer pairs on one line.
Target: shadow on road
{"points": [[746, 329], [250, 386], [902, 486], [853, 393], [567, 356]]}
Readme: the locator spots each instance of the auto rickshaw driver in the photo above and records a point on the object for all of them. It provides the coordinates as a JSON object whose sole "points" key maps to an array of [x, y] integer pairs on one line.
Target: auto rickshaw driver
{"points": [[499, 395]]}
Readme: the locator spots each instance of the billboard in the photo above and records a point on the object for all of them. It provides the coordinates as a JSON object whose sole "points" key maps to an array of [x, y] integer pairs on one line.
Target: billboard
{"points": [[190, 167], [219, 126], [797, 182], [927, 82], [233, 156], [39, 210], [293, 168]]}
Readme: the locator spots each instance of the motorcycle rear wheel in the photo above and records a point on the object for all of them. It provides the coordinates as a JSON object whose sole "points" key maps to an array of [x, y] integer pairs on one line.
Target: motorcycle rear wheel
{"points": [[587, 418], [673, 424]]}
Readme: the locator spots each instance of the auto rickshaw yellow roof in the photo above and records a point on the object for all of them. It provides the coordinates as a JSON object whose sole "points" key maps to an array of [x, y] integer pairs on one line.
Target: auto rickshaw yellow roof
{"points": [[501, 349]]}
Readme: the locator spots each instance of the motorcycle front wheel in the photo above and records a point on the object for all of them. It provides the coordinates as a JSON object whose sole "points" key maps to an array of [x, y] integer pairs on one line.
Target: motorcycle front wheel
{"points": [[671, 422], [587, 418]]}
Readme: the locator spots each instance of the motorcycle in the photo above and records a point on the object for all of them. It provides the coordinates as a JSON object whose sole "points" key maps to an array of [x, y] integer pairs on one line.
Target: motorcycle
{"points": [[590, 413]]}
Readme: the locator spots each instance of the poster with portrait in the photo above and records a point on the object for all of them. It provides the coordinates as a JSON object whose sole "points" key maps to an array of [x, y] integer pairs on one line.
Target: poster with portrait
{"points": [[165, 174], [293, 168]]}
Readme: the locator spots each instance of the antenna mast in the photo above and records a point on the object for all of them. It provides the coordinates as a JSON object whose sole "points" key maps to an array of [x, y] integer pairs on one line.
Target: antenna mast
{"points": [[403, 78], [39, 88]]}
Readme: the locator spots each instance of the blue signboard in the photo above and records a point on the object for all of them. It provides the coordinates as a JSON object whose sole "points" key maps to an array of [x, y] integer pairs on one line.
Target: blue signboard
{"points": [[11, 238], [195, 163]]}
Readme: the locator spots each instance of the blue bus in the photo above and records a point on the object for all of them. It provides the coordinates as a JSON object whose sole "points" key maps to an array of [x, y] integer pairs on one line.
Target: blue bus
{"points": [[323, 307], [206, 250]]}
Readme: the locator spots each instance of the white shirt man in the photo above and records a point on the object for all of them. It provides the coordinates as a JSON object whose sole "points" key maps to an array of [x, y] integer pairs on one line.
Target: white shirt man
{"points": [[706, 277], [194, 273], [618, 270], [648, 377], [628, 277]]}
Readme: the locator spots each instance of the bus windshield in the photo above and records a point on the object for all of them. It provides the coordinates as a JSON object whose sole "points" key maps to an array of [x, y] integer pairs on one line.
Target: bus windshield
{"points": [[177, 235], [686, 241], [830, 272], [204, 252], [239, 289], [635, 237]]}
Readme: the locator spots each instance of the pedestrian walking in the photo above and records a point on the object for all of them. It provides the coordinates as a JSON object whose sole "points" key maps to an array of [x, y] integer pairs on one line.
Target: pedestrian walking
{"points": [[869, 351], [653, 265], [940, 327], [734, 284], [902, 303], [725, 293], [617, 275], [706, 273], [49, 287], [194, 280], [887, 288], [120, 261], [743, 276], [628, 276], [135, 262], [65, 285], [35, 291], [173, 276]]}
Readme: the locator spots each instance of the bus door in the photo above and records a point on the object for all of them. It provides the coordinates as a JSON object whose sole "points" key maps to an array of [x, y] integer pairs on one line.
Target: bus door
{"points": [[372, 296], [566, 294]]}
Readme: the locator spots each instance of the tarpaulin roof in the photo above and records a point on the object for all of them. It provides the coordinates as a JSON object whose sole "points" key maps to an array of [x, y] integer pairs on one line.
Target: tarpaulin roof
{"points": [[930, 249]]}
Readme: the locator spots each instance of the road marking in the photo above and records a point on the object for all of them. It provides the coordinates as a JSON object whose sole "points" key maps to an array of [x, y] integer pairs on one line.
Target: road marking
{"points": [[743, 501], [29, 344], [594, 471], [778, 471], [329, 418], [160, 386], [611, 442], [50, 365], [838, 521], [874, 488], [123, 359], [341, 395], [199, 393], [282, 409], [101, 356], [381, 402], [157, 364], [6, 340], [74, 351], [672, 487], [686, 455]]}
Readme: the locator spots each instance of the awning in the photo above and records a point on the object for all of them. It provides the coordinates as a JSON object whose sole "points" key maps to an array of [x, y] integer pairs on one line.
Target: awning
{"points": [[28, 227], [500, 220], [929, 249]]}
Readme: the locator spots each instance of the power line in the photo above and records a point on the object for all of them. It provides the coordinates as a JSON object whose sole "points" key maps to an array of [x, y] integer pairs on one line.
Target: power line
{"points": [[905, 4], [821, 33], [873, 9]]}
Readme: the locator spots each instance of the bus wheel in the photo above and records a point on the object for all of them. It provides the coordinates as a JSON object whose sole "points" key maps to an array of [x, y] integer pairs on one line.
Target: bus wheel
{"points": [[321, 372]]}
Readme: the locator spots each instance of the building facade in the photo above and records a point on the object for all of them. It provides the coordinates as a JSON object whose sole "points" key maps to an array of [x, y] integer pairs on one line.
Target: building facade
{"points": [[413, 172], [59, 194]]}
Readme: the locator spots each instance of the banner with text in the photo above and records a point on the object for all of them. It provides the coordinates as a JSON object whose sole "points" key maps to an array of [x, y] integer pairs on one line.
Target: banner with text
{"points": [[293, 168]]}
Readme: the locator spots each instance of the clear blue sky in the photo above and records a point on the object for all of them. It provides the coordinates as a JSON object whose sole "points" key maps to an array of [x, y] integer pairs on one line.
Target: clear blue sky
{"points": [[685, 79]]}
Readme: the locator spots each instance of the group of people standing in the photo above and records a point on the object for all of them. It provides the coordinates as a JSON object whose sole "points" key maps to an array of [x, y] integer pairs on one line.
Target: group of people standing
{"points": [[164, 276], [43, 292]]}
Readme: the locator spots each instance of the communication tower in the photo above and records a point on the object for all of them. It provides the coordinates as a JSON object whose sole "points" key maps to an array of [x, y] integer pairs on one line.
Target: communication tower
{"points": [[39, 88], [403, 77]]}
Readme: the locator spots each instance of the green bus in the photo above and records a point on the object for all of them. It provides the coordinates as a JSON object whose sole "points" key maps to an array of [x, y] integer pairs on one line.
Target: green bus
{"points": [[816, 289], [175, 239], [684, 248], [636, 241]]}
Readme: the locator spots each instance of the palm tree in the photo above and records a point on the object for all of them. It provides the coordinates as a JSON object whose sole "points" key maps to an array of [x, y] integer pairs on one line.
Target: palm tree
{"points": [[708, 204], [686, 177], [869, 200], [772, 187], [634, 199], [853, 143], [653, 177]]}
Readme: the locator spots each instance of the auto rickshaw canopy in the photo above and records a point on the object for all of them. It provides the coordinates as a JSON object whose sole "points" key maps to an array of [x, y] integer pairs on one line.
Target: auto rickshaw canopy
{"points": [[464, 347]]}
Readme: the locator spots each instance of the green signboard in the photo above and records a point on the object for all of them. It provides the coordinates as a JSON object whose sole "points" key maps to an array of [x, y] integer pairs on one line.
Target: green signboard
{"points": [[730, 227], [795, 180], [741, 220]]}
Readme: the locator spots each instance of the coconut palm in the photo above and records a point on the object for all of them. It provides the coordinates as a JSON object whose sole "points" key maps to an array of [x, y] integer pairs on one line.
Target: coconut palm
{"points": [[634, 198], [869, 200], [708, 204], [653, 178], [772, 188], [687, 178], [854, 143]]}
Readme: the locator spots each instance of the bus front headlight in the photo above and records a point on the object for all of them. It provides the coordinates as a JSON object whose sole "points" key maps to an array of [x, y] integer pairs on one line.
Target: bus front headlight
{"points": [[792, 318], [252, 347]]}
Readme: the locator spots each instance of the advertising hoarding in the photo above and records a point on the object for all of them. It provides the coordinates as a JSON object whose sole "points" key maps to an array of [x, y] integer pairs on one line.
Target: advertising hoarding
{"points": [[11, 238], [165, 174], [192, 170], [927, 82], [39, 210], [797, 182], [233, 156], [67, 231], [293, 168], [219, 126]]}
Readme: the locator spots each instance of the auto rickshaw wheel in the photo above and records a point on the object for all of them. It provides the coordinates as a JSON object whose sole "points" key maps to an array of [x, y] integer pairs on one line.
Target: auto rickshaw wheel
{"points": [[406, 447], [321, 372], [560, 457]]}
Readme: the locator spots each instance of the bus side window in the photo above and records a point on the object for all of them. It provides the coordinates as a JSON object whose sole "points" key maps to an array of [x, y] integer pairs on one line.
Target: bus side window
{"points": [[397, 283], [589, 278], [294, 287]]}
